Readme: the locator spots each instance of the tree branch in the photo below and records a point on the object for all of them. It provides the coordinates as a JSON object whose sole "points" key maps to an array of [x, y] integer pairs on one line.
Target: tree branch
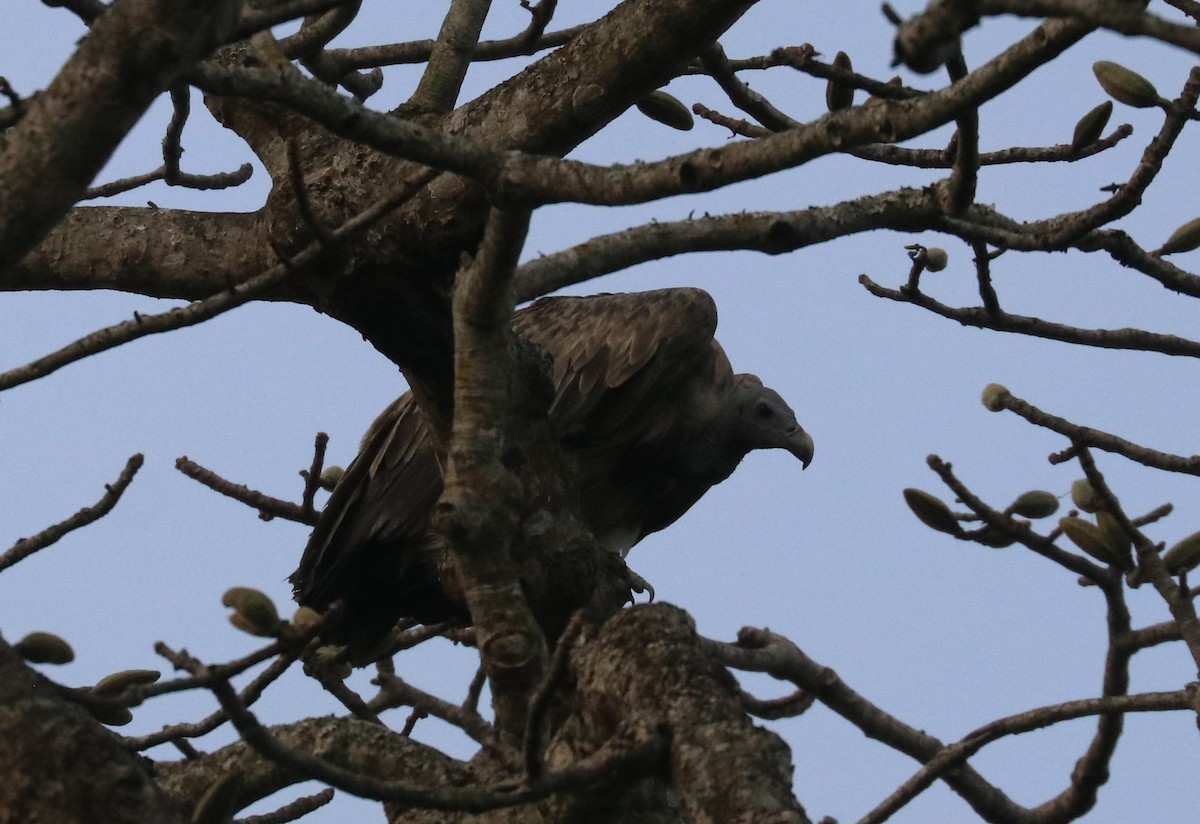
{"points": [[1127, 338], [25, 547], [451, 56], [134, 52]]}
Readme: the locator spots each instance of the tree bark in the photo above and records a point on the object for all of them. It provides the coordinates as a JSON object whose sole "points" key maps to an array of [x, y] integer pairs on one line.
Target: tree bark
{"points": [[61, 767]]}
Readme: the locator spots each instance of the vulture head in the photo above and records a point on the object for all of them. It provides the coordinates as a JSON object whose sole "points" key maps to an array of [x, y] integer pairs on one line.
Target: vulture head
{"points": [[763, 420]]}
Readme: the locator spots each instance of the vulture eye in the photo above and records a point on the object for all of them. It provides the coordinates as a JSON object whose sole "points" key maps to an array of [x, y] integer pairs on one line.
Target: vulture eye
{"points": [[762, 411]]}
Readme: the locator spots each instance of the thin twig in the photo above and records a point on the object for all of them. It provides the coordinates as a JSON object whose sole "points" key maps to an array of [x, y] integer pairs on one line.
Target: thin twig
{"points": [[312, 478], [540, 702], [185, 180], [789, 706], [474, 690], [252, 692], [1127, 338], [957, 754], [396, 692], [25, 547], [290, 812], [267, 506], [1095, 438]]}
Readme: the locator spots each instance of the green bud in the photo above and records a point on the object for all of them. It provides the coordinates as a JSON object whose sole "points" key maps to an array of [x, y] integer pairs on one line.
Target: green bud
{"points": [[254, 611], [1036, 503], [1090, 127], [118, 682], [1124, 85], [1088, 537], [1084, 496], [932, 511], [994, 396], [1118, 540], [936, 259], [329, 660], [305, 617], [995, 538], [839, 95], [1184, 239], [44, 648], [666, 109], [330, 476], [111, 716], [1184, 555]]}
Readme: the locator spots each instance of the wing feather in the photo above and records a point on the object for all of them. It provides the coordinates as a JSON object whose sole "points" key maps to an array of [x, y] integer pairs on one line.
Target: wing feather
{"points": [[384, 498], [622, 361]]}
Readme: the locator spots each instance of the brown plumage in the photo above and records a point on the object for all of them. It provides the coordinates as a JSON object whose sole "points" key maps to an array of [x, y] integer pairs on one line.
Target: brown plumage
{"points": [[650, 415]]}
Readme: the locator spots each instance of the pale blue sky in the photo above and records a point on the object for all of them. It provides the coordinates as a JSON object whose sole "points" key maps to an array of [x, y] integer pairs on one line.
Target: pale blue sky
{"points": [[946, 635]]}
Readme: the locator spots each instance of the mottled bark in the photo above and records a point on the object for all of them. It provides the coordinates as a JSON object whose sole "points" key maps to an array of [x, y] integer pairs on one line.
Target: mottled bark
{"points": [[134, 51], [61, 767]]}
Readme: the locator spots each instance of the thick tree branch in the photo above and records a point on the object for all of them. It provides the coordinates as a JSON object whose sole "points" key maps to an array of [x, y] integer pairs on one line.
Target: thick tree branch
{"points": [[164, 253], [134, 52], [1122, 17], [451, 56], [60, 765], [769, 232], [478, 511]]}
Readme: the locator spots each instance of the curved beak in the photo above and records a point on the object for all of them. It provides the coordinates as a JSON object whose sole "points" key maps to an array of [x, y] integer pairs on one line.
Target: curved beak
{"points": [[800, 444]]}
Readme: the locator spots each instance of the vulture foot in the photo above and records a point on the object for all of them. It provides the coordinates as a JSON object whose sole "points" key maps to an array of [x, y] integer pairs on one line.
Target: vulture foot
{"points": [[639, 585]]}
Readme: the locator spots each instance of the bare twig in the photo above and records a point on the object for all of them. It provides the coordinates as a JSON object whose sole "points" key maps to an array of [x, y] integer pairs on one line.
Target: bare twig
{"points": [[1094, 438], [25, 547], [418, 51], [290, 812], [267, 506], [751, 102], [219, 180], [451, 56], [540, 15], [1128, 338], [957, 754], [763, 651], [396, 692], [252, 692], [541, 700], [474, 690], [312, 478], [789, 706]]}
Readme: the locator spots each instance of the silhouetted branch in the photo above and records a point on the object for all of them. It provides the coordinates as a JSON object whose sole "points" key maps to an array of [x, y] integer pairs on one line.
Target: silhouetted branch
{"points": [[267, 506], [25, 547], [418, 51], [957, 754], [763, 651], [1097, 439], [1127, 338], [290, 812], [396, 692]]}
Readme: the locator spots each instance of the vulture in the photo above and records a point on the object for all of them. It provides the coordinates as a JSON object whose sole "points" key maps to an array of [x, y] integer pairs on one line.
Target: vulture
{"points": [[649, 414]]}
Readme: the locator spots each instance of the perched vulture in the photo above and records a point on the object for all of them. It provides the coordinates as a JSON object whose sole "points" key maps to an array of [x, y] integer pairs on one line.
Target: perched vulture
{"points": [[650, 416]]}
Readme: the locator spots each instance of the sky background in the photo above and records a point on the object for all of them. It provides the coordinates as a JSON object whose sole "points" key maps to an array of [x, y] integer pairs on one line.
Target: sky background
{"points": [[946, 635]]}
